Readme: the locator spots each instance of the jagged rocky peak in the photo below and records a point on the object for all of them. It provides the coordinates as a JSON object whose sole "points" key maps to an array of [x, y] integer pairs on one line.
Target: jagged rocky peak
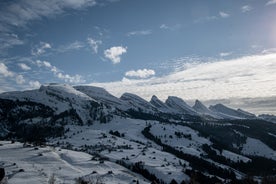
{"points": [[138, 103], [246, 113], [157, 102], [199, 106], [161, 106], [131, 96], [180, 105]]}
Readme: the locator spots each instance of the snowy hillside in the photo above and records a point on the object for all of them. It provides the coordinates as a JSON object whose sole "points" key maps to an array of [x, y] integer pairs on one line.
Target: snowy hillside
{"points": [[27, 164]]}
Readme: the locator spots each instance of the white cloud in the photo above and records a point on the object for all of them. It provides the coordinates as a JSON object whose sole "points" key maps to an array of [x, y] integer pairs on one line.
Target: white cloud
{"points": [[71, 46], [224, 14], [171, 28], [224, 54], [20, 12], [255, 46], [71, 79], [8, 40], [23, 66], [17, 14], [59, 74], [246, 8], [20, 79], [145, 73], [246, 77], [94, 44], [40, 49], [140, 32], [43, 63], [205, 19], [34, 84], [164, 26], [271, 2], [5, 71], [114, 53], [269, 51]]}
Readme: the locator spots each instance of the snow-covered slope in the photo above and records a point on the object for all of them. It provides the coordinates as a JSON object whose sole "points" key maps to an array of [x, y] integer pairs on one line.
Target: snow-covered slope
{"points": [[137, 103], [180, 105], [258, 148], [60, 98], [161, 106], [103, 96], [42, 165], [200, 108], [228, 113]]}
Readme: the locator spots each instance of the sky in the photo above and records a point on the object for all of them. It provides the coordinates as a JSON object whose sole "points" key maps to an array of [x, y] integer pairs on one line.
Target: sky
{"points": [[214, 51]]}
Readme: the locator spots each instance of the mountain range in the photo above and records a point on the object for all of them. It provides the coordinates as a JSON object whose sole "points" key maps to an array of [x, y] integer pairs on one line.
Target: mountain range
{"points": [[165, 142]]}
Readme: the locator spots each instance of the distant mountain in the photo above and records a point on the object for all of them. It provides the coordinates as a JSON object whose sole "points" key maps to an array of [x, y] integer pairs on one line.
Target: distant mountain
{"points": [[89, 103], [180, 105], [268, 117], [228, 113], [200, 108], [137, 103], [161, 106]]}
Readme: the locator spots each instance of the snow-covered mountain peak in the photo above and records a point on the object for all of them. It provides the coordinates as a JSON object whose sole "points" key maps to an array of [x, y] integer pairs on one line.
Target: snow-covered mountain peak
{"points": [[138, 103], [161, 106], [64, 90], [101, 95], [200, 107], [180, 105], [230, 113]]}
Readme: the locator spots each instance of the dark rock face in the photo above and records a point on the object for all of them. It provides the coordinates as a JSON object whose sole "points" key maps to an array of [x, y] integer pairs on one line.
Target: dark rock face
{"points": [[2, 173]]}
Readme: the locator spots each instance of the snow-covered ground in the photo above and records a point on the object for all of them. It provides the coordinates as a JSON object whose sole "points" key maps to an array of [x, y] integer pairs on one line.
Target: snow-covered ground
{"points": [[188, 141], [37, 165], [131, 148], [258, 148], [234, 157]]}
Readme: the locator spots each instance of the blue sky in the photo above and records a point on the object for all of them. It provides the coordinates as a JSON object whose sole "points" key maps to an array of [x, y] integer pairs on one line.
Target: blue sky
{"points": [[194, 49]]}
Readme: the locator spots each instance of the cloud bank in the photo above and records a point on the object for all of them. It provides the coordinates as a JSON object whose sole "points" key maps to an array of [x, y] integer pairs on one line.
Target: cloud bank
{"points": [[244, 77]]}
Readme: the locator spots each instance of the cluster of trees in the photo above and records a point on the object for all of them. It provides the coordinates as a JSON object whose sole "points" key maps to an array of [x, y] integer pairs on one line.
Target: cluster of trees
{"points": [[182, 135], [35, 133], [116, 133]]}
